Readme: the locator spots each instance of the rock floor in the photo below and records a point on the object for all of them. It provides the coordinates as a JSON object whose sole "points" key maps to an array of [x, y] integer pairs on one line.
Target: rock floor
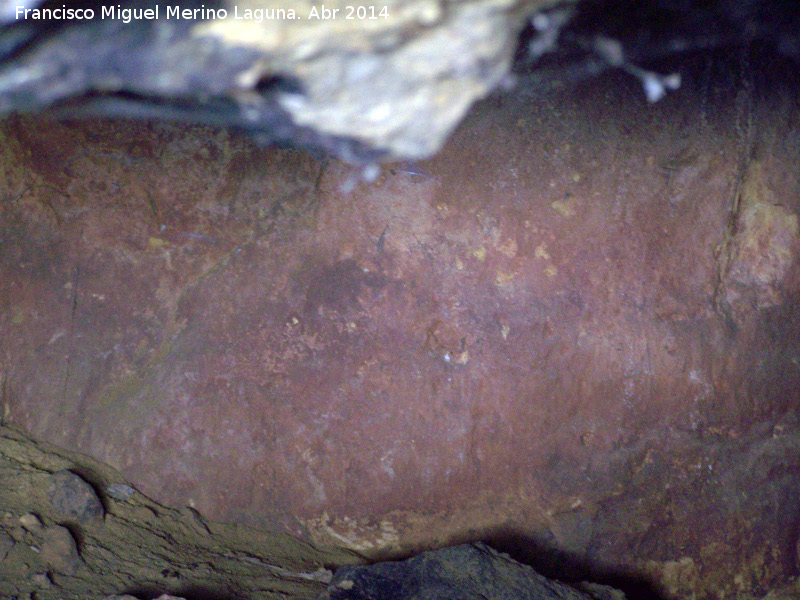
{"points": [[62, 538]]}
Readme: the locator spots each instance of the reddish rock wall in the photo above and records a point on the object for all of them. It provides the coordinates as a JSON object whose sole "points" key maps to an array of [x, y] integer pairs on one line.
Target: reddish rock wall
{"points": [[554, 334]]}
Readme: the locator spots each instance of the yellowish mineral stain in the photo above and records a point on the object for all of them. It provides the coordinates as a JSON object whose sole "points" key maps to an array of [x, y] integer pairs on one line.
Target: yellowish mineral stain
{"points": [[508, 248], [541, 251], [354, 534], [503, 278], [765, 244], [564, 208]]}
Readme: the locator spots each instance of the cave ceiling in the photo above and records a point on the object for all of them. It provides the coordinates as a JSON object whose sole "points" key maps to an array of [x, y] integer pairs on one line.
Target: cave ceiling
{"points": [[362, 83]]}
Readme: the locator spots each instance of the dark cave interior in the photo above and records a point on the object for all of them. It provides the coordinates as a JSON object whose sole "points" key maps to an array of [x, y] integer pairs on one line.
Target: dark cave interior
{"points": [[572, 332]]}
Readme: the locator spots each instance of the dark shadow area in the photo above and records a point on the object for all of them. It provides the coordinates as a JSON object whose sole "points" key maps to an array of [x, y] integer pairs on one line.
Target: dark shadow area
{"points": [[565, 566], [95, 481], [150, 592], [565, 46], [543, 554]]}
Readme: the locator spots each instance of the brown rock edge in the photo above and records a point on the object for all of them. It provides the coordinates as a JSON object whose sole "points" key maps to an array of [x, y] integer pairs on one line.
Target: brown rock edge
{"points": [[140, 546]]}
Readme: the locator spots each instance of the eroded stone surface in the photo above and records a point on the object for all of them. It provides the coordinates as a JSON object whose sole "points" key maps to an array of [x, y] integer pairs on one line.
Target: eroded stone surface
{"points": [[74, 498], [386, 80], [468, 571], [143, 548], [763, 250], [59, 551], [524, 344]]}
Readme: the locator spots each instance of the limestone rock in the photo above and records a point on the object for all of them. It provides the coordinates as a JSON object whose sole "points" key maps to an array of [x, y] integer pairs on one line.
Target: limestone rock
{"points": [[6, 544], [466, 572], [74, 498], [366, 82], [128, 597], [59, 550]]}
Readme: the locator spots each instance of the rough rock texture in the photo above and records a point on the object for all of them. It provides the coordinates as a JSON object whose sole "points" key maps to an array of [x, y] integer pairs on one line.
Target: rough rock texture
{"points": [[139, 547], [73, 498], [127, 597], [367, 82], [762, 248], [466, 572], [557, 335], [364, 80], [385, 80], [59, 551]]}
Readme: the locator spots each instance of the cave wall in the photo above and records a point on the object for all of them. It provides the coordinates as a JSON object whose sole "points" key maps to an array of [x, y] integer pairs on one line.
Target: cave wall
{"points": [[575, 329]]}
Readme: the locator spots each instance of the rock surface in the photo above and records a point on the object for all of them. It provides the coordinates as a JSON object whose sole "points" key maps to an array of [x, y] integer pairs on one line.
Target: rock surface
{"points": [[59, 551], [465, 572], [140, 547], [387, 80], [73, 498], [549, 336], [365, 81], [127, 597]]}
